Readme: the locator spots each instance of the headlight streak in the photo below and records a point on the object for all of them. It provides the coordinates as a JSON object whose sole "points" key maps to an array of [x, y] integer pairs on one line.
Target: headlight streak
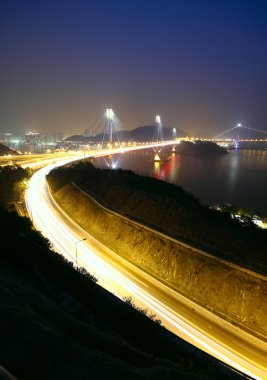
{"points": [[116, 279]]}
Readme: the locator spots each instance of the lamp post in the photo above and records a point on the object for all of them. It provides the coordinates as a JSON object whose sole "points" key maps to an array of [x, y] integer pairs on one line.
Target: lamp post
{"points": [[79, 241]]}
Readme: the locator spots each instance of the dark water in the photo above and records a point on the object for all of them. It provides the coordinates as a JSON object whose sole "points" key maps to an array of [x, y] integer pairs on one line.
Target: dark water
{"points": [[239, 178]]}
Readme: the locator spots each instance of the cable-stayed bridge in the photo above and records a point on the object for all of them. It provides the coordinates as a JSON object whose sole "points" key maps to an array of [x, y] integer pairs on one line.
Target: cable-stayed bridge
{"points": [[241, 133], [112, 127]]}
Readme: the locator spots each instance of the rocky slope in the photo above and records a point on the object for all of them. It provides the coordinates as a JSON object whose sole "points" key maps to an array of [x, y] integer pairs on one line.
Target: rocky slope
{"points": [[223, 288]]}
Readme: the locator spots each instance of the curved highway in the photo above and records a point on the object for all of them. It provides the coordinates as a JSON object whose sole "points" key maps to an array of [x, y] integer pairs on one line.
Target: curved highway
{"points": [[124, 279]]}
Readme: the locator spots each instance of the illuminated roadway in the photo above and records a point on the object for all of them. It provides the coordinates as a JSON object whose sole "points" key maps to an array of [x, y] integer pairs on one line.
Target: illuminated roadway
{"points": [[37, 161], [124, 279]]}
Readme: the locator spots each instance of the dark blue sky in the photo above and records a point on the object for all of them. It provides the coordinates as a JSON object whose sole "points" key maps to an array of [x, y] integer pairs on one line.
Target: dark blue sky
{"points": [[202, 65]]}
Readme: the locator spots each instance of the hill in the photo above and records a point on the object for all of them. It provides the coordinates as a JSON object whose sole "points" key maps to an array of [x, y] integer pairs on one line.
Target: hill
{"points": [[149, 133], [199, 148], [140, 134], [5, 150], [144, 198], [204, 278]]}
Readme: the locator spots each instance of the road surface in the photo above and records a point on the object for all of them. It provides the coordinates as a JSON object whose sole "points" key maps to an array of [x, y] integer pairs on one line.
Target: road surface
{"points": [[124, 279]]}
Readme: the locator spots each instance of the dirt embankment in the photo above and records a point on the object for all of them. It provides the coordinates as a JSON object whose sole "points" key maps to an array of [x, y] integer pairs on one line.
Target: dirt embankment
{"points": [[214, 284]]}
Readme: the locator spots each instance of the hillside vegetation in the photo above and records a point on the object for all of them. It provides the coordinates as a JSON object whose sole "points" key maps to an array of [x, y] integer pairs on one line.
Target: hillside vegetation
{"points": [[169, 209], [56, 323], [214, 284], [13, 182]]}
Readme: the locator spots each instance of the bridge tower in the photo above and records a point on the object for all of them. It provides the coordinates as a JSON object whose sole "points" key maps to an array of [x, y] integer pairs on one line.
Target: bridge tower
{"points": [[110, 137], [238, 126], [110, 117], [159, 137], [174, 134]]}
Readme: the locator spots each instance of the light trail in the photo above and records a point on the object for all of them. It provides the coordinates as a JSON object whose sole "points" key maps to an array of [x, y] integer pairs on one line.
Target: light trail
{"points": [[37, 161], [124, 279]]}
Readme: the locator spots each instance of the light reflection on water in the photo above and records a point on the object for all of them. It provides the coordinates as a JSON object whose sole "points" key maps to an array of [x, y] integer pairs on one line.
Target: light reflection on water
{"points": [[232, 174], [239, 178]]}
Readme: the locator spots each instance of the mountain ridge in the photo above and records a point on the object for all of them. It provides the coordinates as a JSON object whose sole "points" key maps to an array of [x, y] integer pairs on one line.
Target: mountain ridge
{"points": [[140, 134]]}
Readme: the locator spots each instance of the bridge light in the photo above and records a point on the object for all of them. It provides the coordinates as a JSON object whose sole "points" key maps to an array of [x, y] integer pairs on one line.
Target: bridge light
{"points": [[158, 120], [239, 125], [109, 114]]}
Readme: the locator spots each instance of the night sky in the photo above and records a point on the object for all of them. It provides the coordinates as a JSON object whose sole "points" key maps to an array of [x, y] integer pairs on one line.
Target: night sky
{"points": [[202, 65]]}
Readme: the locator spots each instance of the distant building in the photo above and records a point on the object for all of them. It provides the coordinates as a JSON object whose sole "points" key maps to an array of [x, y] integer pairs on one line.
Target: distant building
{"points": [[39, 142], [32, 137], [32, 141]]}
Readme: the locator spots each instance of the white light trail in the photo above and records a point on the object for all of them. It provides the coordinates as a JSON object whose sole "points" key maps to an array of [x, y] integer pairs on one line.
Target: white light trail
{"points": [[124, 279]]}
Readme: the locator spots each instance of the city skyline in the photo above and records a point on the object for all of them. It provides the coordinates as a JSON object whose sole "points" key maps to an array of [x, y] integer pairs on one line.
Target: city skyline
{"points": [[200, 66]]}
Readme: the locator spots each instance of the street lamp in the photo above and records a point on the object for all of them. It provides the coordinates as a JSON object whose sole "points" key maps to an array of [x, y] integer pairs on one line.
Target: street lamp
{"points": [[79, 241]]}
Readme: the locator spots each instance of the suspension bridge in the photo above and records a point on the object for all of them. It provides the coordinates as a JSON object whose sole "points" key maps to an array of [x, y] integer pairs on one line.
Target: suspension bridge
{"points": [[241, 133]]}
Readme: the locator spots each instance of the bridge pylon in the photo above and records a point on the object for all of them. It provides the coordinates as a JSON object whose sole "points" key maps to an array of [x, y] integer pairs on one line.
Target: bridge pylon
{"points": [[110, 136], [238, 126], [159, 137], [110, 117]]}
